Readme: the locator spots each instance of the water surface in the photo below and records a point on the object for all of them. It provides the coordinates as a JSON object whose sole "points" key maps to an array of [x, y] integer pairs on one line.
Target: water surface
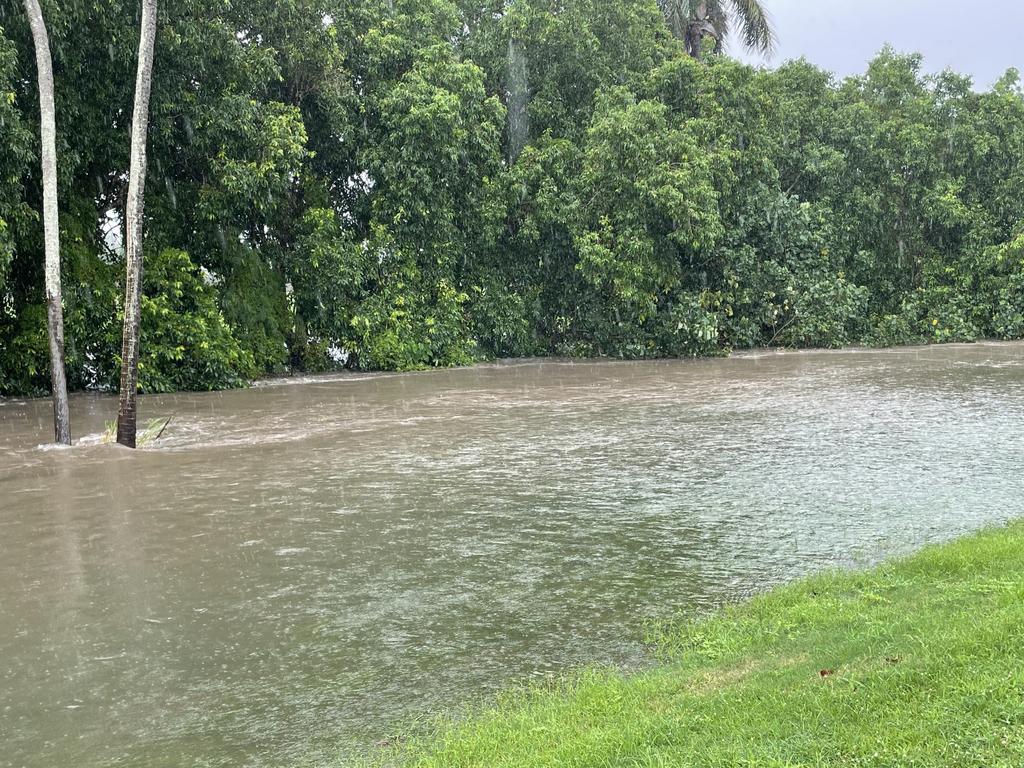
{"points": [[302, 568]]}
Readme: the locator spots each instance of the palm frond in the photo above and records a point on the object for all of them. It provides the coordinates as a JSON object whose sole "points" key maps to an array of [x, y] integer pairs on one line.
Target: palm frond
{"points": [[717, 23], [755, 25], [678, 14], [715, 18]]}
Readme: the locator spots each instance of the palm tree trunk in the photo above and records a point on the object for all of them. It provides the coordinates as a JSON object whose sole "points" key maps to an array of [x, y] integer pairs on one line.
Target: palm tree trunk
{"points": [[51, 224], [696, 31], [127, 415], [694, 41]]}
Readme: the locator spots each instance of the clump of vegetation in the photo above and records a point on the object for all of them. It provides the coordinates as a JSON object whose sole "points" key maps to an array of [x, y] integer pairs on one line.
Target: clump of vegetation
{"points": [[153, 431], [916, 662]]}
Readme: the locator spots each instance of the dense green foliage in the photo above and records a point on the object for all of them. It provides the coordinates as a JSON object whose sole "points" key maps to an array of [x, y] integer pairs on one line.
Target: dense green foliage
{"points": [[330, 184], [916, 663]]}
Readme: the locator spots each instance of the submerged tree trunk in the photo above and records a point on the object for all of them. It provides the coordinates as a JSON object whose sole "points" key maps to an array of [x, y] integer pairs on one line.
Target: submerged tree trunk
{"points": [[51, 225], [126, 415], [518, 99]]}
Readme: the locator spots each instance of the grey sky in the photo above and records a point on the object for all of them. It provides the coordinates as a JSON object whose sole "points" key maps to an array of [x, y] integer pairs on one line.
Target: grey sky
{"points": [[982, 38]]}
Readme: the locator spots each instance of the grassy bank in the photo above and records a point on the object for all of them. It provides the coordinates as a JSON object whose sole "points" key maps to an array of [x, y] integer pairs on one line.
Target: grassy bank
{"points": [[919, 662]]}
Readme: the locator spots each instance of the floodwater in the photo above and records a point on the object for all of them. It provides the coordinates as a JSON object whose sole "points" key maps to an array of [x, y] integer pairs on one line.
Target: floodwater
{"points": [[300, 569]]}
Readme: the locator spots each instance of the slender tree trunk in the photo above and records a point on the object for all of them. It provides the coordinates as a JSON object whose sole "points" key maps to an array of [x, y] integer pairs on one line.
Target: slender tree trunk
{"points": [[518, 98], [51, 227], [126, 415]]}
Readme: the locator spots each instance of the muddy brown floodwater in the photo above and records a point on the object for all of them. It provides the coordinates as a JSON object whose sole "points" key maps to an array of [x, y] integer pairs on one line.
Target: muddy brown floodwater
{"points": [[301, 568]]}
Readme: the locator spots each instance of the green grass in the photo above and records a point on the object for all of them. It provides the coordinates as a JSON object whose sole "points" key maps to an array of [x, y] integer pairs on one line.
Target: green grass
{"points": [[919, 662]]}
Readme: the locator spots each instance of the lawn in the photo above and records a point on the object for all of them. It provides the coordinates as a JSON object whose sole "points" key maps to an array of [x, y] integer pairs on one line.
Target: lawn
{"points": [[918, 662]]}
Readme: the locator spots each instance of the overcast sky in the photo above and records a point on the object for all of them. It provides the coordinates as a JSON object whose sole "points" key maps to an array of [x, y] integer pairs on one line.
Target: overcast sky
{"points": [[981, 38]]}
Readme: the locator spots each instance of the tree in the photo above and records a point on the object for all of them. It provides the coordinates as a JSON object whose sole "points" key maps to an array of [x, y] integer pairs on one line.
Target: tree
{"points": [[127, 413], [693, 20], [51, 230], [652, 214]]}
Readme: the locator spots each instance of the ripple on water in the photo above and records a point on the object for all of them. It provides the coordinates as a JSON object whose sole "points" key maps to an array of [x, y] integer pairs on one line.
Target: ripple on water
{"points": [[485, 526]]}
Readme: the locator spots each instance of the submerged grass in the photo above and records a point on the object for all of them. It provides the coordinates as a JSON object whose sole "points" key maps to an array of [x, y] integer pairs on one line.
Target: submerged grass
{"points": [[919, 662]]}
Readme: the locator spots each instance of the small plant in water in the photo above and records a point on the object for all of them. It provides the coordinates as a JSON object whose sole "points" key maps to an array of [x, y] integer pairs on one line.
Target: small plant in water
{"points": [[153, 431]]}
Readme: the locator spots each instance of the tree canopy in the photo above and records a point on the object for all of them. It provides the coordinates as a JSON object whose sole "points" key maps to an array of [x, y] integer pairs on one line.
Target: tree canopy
{"points": [[329, 185]]}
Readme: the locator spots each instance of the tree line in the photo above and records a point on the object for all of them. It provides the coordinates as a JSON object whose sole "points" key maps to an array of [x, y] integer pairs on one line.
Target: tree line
{"points": [[397, 184]]}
